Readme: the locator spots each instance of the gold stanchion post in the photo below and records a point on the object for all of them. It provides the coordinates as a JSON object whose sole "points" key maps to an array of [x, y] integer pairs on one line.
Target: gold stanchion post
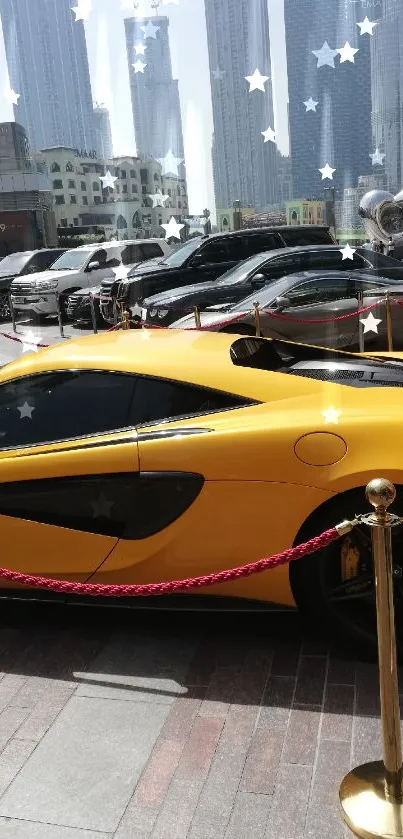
{"points": [[389, 325], [361, 339], [372, 795], [125, 319], [257, 319], [197, 317]]}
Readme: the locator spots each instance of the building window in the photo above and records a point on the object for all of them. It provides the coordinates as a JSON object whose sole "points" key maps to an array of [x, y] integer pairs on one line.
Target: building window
{"points": [[170, 193], [144, 190], [58, 184], [179, 204], [75, 222], [135, 188], [85, 199], [73, 199], [55, 167], [69, 167], [59, 199], [117, 188], [72, 184], [83, 186], [144, 176], [97, 199], [95, 186], [123, 173], [178, 191], [124, 188], [133, 173], [63, 222], [156, 177]]}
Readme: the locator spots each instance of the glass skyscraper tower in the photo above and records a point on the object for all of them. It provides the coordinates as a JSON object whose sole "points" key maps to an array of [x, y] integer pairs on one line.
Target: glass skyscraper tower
{"points": [[48, 66], [387, 91]]}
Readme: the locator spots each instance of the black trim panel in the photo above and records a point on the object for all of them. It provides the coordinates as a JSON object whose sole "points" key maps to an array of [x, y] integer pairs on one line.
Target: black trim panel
{"points": [[122, 505]]}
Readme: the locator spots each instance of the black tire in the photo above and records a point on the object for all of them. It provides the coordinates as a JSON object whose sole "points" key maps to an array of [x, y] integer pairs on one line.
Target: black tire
{"points": [[345, 608]]}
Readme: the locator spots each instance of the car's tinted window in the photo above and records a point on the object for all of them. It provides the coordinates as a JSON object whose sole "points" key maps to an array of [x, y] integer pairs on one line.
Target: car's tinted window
{"points": [[151, 250], [259, 242], [317, 291], [332, 260], [216, 251], [131, 254], [281, 266], [63, 405], [156, 400], [294, 237]]}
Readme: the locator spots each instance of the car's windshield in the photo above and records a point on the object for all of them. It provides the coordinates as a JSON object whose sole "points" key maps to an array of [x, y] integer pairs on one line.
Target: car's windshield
{"points": [[182, 253], [240, 273], [70, 260], [14, 263]]}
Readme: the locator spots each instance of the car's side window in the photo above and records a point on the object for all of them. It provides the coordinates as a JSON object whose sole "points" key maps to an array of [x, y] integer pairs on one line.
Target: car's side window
{"points": [[63, 405], [131, 254], [326, 291], [157, 400], [214, 252], [151, 250], [261, 242], [280, 267]]}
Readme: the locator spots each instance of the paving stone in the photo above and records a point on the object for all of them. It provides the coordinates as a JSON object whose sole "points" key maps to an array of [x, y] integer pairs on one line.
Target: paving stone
{"points": [[367, 740], [276, 704], [310, 680], [181, 717], [138, 672], [252, 679], [302, 736], [202, 665], [337, 720], [341, 670], [9, 686], [367, 689], [285, 659], [12, 759], [249, 816], [220, 691], [324, 818], [45, 712], [15, 829], [262, 762], [290, 803], [83, 772], [10, 721]]}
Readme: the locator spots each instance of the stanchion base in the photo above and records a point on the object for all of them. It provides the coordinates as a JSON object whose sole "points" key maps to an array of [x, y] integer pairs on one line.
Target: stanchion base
{"points": [[365, 808]]}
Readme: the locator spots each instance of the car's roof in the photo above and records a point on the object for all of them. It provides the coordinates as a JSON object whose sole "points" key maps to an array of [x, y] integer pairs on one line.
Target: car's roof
{"points": [[248, 231]]}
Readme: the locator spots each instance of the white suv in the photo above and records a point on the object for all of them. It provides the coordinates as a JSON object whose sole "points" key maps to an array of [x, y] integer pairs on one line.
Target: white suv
{"points": [[77, 268]]}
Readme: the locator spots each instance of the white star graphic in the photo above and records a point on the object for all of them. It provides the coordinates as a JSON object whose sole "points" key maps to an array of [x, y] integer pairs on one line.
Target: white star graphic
{"points": [[170, 164], [348, 252], [82, 10], [377, 158], [158, 198], [11, 96], [347, 53], [331, 415], [218, 74], [310, 104], [25, 410], [139, 66], [367, 26], [172, 229], [150, 31], [29, 344], [325, 55], [108, 180], [257, 81], [269, 134], [370, 323], [136, 311], [101, 507], [140, 49], [327, 172]]}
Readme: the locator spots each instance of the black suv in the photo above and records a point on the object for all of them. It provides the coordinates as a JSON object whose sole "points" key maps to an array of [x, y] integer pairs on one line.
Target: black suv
{"points": [[260, 270], [204, 259], [18, 265]]}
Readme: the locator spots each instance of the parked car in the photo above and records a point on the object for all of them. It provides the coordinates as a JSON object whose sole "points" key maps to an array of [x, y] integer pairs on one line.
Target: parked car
{"points": [[191, 453], [260, 270], [19, 265], [78, 304], [81, 267], [204, 259], [302, 302]]}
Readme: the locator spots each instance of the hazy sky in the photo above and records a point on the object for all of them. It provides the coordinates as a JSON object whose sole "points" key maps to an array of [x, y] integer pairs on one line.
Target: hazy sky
{"points": [[110, 82]]}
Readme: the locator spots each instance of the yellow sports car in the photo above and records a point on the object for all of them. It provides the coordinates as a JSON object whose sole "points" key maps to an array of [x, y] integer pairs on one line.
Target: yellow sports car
{"points": [[143, 456]]}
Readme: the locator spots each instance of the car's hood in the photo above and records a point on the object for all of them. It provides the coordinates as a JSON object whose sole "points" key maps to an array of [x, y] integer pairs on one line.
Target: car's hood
{"points": [[149, 267], [43, 275], [174, 294]]}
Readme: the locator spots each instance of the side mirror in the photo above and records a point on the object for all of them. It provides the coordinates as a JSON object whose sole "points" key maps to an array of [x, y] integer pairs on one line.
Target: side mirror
{"points": [[93, 266], [258, 281], [282, 303]]}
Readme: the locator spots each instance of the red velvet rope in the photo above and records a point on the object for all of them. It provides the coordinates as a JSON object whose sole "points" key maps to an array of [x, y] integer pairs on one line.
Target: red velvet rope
{"points": [[99, 589], [21, 341], [322, 320]]}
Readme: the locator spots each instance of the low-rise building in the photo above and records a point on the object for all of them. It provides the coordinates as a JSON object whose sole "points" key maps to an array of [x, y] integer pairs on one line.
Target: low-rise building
{"points": [[305, 211]]}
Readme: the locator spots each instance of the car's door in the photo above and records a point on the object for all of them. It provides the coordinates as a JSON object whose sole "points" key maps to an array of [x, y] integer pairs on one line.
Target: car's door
{"points": [[88, 277], [311, 316], [271, 271], [68, 470]]}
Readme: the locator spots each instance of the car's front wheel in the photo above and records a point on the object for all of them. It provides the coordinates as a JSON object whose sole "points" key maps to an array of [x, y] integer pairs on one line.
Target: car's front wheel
{"points": [[335, 587]]}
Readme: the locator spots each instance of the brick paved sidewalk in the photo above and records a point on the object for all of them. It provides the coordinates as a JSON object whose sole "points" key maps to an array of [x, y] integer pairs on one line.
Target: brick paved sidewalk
{"points": [[149, 728]]}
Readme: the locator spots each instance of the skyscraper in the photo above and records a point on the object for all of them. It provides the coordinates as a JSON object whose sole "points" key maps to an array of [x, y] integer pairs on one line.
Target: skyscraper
{"points": [[337, 129], [387, 91], [244, 165], [155, 94], [48, 66], [103, 132]]}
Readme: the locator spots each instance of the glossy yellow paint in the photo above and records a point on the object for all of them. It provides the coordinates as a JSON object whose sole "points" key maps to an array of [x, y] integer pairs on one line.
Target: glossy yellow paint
{"points": [[258, 492]]}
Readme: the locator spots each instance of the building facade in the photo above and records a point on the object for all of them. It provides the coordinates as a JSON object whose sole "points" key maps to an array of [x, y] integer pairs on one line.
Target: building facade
{"points": [[155, 94], [387, 91], [48, 67], [103, 133], [244, 165], [335, 127], [305, 212]]}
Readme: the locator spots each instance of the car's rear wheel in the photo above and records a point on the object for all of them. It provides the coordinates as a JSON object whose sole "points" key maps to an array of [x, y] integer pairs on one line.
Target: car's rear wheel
{"points": [[334, 588]]}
